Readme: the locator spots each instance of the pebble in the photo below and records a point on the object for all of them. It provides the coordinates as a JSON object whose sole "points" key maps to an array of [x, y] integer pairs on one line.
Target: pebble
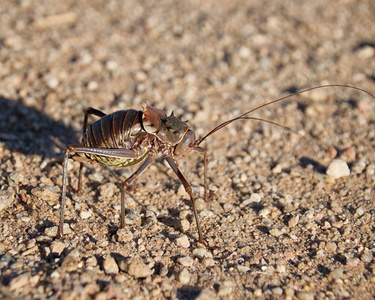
{"points": [[353, 262], [206, 294], [338, 168], [331, 247], [199, 252], [305, 296], [110, 266], [278, 291], [225, 288], [276, 232], [337, 274], [57, 247], [6, 198], [243, 269], [184, 276], [19, 282], [70, 262], [185, 261], [208, 262], [46, 193], [183, 225], [183, 241], [124, 235], [200, 204], [51, 231], [293, 221], [84, 214], [137, 268]]}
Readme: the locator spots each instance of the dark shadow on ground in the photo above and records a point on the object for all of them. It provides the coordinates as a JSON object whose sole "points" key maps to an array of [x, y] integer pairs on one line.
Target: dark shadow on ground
{"points": [[29, 131]]}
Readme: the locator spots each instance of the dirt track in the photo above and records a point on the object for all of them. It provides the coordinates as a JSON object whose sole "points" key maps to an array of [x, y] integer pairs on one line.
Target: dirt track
{"points": [[277, 225]]}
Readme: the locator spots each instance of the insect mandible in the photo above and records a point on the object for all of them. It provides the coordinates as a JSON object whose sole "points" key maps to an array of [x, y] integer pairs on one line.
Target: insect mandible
{"points": [[128, 137]]}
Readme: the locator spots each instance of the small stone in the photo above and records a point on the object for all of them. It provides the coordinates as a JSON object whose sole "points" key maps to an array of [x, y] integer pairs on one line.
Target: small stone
{"points": [[353, 262], [124, 235], [185, 261], [51, 231], [293, 221], [110, 266], [183, 225], [183, 241], [52, 82], [184, 276], [208, 262], [70, 262], [200, 204], [305, 296], [264, 212], [57, 247], [358, 167], [331, 247], [277, 169], [338, 168], [367, 257], [255, 197], [337, 274], [84, 214], [6, 198], [243, 269], [137, 268], [47, 194], [96, 177], [350, 153], [225, 288], [276, 232], [19, 282], [107, 190], [206, 294], [91, 261], [92, 85], [199, 252], [278, 291], [360, 211], [111, 65]]}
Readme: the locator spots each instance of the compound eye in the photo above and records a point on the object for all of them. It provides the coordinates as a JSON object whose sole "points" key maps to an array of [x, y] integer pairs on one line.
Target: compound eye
{"points": [[186, 145]]}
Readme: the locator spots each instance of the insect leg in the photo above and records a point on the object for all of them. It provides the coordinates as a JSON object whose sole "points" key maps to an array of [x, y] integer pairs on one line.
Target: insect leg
{"points": [[188, 189], [149, 160], [89, 111], [119, 153]]}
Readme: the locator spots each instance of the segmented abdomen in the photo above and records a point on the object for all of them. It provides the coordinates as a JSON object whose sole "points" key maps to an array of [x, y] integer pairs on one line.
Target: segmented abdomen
{"points": [[120, 129]]}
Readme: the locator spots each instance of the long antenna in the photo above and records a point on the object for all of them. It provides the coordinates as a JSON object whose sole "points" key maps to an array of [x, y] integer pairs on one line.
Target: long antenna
{"points": [[243, 116]]}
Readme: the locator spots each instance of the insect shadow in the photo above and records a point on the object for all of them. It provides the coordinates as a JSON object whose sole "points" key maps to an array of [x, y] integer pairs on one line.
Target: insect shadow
{"points": [[26, 130]]}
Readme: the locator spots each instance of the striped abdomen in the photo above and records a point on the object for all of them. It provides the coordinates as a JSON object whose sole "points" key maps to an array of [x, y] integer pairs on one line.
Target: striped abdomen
{"points": [[120, 129]]}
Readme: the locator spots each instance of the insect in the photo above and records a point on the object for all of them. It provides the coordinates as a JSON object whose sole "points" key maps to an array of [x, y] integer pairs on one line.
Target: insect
{"points": [[128, 137]]}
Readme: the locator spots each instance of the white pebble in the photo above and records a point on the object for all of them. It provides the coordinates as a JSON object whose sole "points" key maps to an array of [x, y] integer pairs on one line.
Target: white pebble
{"points": [[185, 261], [338, 168], [110, 266], [85, 214], [199, 252], [184, 276], [183, 241]]}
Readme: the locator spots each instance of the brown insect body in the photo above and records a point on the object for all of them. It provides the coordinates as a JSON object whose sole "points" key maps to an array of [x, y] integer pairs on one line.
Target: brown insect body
{"points": [[121, 129], [128, 137]]}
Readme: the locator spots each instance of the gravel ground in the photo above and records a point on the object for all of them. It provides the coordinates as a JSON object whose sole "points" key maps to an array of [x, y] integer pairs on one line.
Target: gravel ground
{"points": [[289, 217]]}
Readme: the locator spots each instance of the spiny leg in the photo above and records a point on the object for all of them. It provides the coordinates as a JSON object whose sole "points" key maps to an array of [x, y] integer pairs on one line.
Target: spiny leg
{"points": [[71, 150], [89, 111], [149, 160], [188, 189]]}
